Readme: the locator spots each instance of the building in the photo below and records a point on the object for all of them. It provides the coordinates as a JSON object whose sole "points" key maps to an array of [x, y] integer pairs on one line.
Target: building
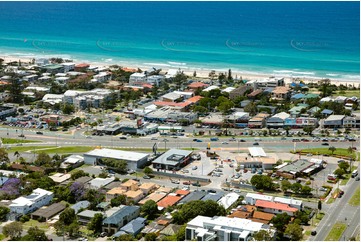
{"points": [[251, 198], [26, 204], [227, 200], [133, 227], [53, 68], [173, 159], [220, 228], [213, 196], [137, 77], [98, 182], [114, 192], [80, 205], [334, 121], [238, 119], [197, 85], [300, 122], [7, 111], [68, 66], [121, 217], [258, 121], [130, 185], [266, 83], [277, 120], [148, 187], [85, 216], [281, 93], [44, 214], [275, 207], [294, 203], [134, 159], [53, 98], [134, 196], [156, 197], [168, 201], [296, 168], [238, 92], [193, 196], [351, 122]]}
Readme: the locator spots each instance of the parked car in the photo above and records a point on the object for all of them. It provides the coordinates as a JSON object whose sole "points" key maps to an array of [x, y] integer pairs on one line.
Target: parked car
{"points": [[186, 183], [357, 178], [256, 143], [185, 171], [175, 181], [325, 144], [242, 140], [39, 132], [211, 191], [224, 143], [22, 135], [146, 177], [214, 139], [194, 168], [196, 184], [314, 232], [122, 137]]}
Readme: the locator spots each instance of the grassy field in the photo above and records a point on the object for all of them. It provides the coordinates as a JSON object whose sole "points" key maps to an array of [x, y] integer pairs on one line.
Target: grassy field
{"points": [[26, 148], [349, 93], [2, 237], [7, 141], [355, 199], [336, 232], [326, 151]]}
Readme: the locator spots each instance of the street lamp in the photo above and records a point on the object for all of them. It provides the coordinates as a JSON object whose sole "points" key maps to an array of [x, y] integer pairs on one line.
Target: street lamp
{"points": [[165, 144]]}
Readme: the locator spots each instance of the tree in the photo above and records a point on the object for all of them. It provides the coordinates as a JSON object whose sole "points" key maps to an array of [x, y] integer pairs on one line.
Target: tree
{"points": [[150, 208], [344, 166], [280, 221], [118, 200], [296, 187], [3, 213], [4, 157], [67, 216], [96, 223], [294, 231], [339, 172], [308, 129], [43, 159], [78, 174], [150, 237], [332, 149], [180, 235], [262, 235], [225, 106], [302, 216], [285, 185], [125, 237], [115, 164], [13, 230], [94, 197], [68, 108], [319, 205], [306, 190], [262, 182], [251, 108], [35, 234], [148, 170]]}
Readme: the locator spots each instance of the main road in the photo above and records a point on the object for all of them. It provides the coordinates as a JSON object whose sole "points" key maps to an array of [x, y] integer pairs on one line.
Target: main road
{"points": [[270, 144]]}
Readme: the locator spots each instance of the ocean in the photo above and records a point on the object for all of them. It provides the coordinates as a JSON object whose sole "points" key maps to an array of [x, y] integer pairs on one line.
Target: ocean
{"points": [[310, 39]]}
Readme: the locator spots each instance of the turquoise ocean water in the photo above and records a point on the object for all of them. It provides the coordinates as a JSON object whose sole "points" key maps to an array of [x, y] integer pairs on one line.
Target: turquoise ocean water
{"points": [[312, 39]]}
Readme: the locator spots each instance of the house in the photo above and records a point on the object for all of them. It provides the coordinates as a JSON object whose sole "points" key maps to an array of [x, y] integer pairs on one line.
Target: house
{"points": [[156, 197], [98, 182], [133, 227], [130, 185], [275, 207], [26, 204], [258, 121], [85, 216], [148, 187], [68, 66], [213, 196], [238, 92], [134, 196], [72, 161], [113, 193], [44, 214], [238, 119], [243, 212], [193, 196], [266, 83], [227, 200], [60, 177], [252, 198], [122, 216], [262, 217], [137, 77], [203, 228], [53, 68], [81, 67], [80, 205], [294, 203], [169, 200], [197, 85], [334, 121], [281, 93]]}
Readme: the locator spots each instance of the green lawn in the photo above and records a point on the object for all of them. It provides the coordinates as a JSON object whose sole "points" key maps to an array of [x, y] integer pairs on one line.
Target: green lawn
{"points": [[355, 199], [336, 232], [16, 141], [326, 151], [2, 237], [33, 223], [349, 93], [26, 148]]}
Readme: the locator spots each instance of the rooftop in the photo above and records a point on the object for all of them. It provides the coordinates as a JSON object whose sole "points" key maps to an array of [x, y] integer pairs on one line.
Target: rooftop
{"points": [[154, 196], [169, 200], [120, 214], [50, 211], [117, 154], [275, 205]]}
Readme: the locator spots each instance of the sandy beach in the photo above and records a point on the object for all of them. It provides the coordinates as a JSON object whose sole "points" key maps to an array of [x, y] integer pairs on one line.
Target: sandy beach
{"points": [[202, 74]]}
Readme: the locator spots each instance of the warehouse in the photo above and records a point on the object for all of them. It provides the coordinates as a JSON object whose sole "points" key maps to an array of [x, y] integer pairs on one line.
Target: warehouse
{"points": [[133, 159], [173, 159]]}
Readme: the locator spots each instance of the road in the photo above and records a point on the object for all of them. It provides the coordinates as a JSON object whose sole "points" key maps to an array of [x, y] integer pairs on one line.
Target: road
{"points": [[270, 144], [341, 211]]}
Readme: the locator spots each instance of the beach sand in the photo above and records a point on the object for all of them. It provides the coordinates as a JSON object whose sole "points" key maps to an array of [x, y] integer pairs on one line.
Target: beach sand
{"points": [[203, 74]]}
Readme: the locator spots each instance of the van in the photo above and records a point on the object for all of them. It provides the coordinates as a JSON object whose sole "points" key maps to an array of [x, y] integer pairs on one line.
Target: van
{"points": [[354, 174]]}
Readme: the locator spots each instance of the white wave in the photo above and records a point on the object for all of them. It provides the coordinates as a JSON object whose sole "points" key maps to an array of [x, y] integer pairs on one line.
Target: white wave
{"points": [[283, 71], [157, 64], [332, 74], [177, 63]]}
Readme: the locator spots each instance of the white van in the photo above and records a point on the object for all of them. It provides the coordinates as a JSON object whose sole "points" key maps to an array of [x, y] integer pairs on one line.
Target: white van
{"points": [[354, 174]]}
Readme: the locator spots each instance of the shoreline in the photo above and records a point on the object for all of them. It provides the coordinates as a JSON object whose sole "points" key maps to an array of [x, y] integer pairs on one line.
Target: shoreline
{"points": [[202, 73]]}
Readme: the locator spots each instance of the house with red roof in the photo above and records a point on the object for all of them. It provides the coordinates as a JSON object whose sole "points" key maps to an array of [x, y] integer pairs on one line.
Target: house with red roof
{"points": [[197, 85], [172, 199], [275, 207]]}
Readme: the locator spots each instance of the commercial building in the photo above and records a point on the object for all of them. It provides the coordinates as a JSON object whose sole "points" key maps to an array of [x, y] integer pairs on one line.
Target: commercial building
{"points": [[258, 121], [334, 121], [173, 159], [7, 111], [277, 120], [221, 228], [26, 204], [133, 159], [265, 83]]}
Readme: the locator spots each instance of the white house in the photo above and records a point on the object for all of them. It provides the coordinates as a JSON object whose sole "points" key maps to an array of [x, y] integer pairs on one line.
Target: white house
{"points": [[26, 204], [203, 228], [294, 203], [137, 77], [227, 200], [68, 66], [251, 198]]}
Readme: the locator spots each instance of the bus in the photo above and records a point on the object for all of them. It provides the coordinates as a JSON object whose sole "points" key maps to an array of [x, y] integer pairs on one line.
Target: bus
{"points": [[354, 174]]}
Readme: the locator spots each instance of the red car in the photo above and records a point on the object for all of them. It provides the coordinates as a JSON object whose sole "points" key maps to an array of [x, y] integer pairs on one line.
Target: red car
{"points": [[186, 183]]}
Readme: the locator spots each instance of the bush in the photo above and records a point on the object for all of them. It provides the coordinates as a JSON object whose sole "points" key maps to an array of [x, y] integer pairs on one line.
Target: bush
{"points": [[308, 183], [24, 218]]}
